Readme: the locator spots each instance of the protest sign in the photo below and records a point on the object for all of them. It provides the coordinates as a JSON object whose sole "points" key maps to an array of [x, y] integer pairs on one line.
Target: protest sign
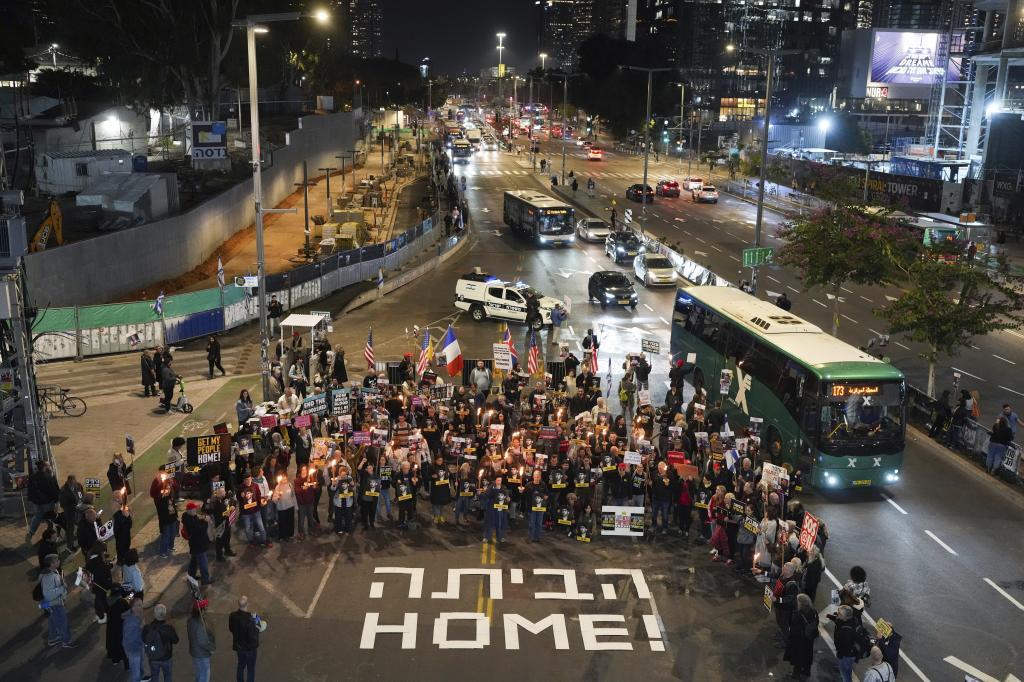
{"points": [[203, 450]]}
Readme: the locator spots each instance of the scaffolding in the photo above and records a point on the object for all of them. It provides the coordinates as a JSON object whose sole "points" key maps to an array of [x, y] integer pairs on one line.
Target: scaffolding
{"points": [[949, 107]]}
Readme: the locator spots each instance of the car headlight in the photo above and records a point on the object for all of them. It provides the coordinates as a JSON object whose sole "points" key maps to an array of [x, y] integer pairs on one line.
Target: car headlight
{"points": [[543, 240], [609, 294], [572, 238], [621, 250]]}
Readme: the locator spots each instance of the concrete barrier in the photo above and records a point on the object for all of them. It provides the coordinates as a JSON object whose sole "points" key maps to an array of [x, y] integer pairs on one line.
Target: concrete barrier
{"points": [[118, 263]]}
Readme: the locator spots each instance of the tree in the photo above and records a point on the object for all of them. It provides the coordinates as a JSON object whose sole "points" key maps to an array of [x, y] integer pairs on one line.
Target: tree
{"points": [[844, 242], [948, 304]]}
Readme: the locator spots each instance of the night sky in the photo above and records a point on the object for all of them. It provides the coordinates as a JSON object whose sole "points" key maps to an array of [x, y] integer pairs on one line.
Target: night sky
{"points": [[459, 36]]}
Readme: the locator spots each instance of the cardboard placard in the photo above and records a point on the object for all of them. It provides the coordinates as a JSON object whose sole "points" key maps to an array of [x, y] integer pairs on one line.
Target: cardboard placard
{"points": [[617, 520], [341, 401], [676, 457], [502, 357], [768, 597], [808, 531], [303, 420], [630, 457], [314, 405], [203, 450], [268, 421], [650, 346], [549, 433], [687, 471], [725, 381], [92, 485]]}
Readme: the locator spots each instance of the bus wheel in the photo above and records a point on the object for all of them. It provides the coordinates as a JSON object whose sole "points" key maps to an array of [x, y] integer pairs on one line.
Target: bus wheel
{"points": [[773, 441], [477, 313]]}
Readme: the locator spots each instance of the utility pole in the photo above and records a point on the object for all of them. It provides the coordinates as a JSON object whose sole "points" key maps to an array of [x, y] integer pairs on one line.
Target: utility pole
{"points": [[647, 126], [305, 184], [565, 116], [327, 172]]}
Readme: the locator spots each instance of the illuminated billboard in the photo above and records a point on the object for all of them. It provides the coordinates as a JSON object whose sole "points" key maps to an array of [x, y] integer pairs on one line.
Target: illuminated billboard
{"points": [[908, 58]]}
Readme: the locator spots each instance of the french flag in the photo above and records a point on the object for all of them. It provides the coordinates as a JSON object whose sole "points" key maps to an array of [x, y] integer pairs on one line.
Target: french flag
{"points": [[451, 352]]}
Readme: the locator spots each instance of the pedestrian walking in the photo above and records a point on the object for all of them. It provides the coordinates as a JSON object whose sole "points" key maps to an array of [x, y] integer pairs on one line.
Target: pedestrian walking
{"points": [[274, 312], [70, 498], [575, 186], [159, 638], [149, 374], [55, 593], [590, 187], [213, 355], [245, 631], [43, 493], [201, 643]]}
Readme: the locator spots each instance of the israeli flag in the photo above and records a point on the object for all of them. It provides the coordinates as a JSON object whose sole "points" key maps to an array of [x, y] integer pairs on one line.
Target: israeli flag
{"points": [[158, 305]]}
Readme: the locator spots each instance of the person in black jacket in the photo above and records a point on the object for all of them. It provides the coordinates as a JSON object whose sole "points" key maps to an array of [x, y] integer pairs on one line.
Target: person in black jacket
{"points": [[536, 495], [102, 580], [786, 591], [812, 572], [845, 637], [196, 528], [338, 370], [803, 630], [245, 631], [213, 355], [664, 483], [43, 493], [122, 526], [117, 474], [158, 639], [168, 380], [149, 375], [70, 498]]}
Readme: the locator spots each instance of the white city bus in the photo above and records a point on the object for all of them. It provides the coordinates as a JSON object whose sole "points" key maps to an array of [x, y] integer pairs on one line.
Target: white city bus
{"points": [[542, 218]]}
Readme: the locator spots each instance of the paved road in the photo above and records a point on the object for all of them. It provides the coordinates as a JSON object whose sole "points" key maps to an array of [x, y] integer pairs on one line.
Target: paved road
{"points": [[716, 234]]}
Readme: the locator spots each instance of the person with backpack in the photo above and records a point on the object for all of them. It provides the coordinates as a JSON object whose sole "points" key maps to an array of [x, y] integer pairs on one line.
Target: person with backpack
{"points": [[803, 630], [158, 639], [880, 670], [245, 630], [852, 643], [201, 643], [52, 592]]}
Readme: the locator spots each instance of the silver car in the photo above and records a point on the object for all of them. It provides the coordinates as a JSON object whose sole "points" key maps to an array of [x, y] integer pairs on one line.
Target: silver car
{"points": [[653, 269], [592, 230]]}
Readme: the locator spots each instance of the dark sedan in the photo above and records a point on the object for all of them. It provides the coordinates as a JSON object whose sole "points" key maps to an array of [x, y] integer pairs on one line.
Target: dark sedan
{"points": [[637, 191], [611, 287]]}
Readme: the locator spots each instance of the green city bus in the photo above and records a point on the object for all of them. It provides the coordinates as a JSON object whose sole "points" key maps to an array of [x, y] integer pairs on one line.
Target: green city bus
{"points": [[830, 410]]}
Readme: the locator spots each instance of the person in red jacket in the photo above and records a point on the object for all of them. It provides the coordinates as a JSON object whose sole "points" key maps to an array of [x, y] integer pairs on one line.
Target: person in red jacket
{"points": [[250, 498], [163, 485]]}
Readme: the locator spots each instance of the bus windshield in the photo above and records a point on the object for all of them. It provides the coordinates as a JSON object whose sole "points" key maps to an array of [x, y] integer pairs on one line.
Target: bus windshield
{"points": [[555, 222], [860, 414]]}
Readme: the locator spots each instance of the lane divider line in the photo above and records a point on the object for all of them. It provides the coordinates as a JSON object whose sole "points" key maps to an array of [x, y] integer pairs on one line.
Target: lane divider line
{"points": [[891, 501], [1006, 594], [942, 544]]}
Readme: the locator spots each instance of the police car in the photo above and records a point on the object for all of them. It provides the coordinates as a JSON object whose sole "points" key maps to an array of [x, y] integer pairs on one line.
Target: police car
{"points": [[486, 296]]}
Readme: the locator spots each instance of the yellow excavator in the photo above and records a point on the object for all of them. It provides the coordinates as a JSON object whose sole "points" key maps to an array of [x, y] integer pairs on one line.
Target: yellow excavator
{"points": [[52, 223]]}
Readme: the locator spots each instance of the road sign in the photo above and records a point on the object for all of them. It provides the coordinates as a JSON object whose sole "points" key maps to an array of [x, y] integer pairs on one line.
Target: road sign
{"points": [[247, 282], [650, 346], [759, 256]]}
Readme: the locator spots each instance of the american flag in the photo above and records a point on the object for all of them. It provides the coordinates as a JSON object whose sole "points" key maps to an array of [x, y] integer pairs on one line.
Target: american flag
{"points": [[507, 340], [426, 353], [368, 351], [593, 360], [534, 357]]}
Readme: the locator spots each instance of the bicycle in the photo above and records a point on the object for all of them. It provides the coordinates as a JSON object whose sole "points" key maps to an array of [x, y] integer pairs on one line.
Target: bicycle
{"points": [[60, 401]]}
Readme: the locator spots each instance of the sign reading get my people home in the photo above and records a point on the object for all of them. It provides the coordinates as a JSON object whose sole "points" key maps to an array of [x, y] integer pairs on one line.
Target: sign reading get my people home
{"points": [[203, 450]]}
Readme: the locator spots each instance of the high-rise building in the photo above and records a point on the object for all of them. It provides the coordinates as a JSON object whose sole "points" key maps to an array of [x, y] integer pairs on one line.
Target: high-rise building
{"points": [[918, 14], [365, 23], [615, 18], [566, 24]]}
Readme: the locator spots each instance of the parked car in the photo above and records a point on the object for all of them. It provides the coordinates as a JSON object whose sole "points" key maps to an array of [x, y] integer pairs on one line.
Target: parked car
{"points": [[592, 230], [706, 193], [653, 268], [637, 191], [621, 246], [611, 287], [667, 188], [692, 183]]}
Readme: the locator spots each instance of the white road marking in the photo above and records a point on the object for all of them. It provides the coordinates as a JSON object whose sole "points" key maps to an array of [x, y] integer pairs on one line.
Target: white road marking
{"points": [[735, 259], [1012, 391], [846, 290], [891, 501], [701, 240], [819, 303], [871, 622], [1015, 333], [849, 318], [323, 582], [1005, 594], [792, 289], [649, 307], [999, 357], [867, 299], [773, 279], [571, 331], [664, 321], [717, 249], [974, 376], [901, 345], [942, 544], [875, 331], [974, 673]]}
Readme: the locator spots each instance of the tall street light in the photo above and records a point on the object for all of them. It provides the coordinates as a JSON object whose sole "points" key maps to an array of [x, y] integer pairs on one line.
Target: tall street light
{"points": [[682, 117], [254, 24], [501, 74], [771, 56], [647, 126], [565, 122], [543, 59]]}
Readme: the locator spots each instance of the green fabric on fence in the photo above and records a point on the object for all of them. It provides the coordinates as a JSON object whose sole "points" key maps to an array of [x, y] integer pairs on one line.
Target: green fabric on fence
{"points": [[54, 320], [140, 312]]}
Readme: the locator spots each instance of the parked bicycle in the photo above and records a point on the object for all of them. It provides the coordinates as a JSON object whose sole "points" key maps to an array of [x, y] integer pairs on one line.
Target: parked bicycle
{"points": [[55, 399]]}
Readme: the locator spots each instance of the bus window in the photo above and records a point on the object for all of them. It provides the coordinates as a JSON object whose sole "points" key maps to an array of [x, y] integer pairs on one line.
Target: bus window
{"points": [[857, 414]]}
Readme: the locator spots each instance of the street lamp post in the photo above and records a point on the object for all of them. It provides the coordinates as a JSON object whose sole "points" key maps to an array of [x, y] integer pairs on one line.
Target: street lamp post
{"points": [[771, 56], [647, 127], [255, 24], [501, 80], [565, 122], [327, 173]]}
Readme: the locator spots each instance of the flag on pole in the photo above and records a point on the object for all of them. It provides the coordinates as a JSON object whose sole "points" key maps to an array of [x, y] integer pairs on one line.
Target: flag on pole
{"points": [[220, 274], [533, 359], [368, 351], [158, 305], [426, 353], [608, 382], [593, 361], [451, 352], [507, 340], [380, 278]]}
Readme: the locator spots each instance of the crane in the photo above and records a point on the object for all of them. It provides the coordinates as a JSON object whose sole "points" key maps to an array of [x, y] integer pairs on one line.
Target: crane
{"points": [[52, 223]]}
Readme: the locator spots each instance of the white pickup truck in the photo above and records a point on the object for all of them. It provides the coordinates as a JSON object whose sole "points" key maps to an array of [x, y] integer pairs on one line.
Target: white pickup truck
{"points": [[486, 296]]}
